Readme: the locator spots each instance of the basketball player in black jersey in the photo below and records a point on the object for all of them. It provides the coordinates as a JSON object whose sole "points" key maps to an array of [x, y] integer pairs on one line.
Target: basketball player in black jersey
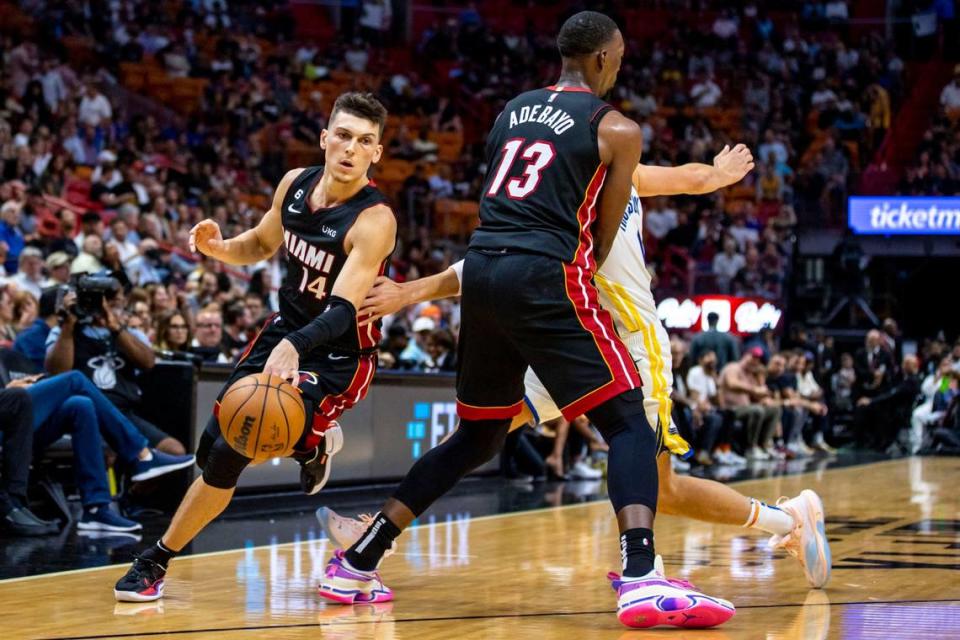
{"points": [[560, 166], [338, 232]]}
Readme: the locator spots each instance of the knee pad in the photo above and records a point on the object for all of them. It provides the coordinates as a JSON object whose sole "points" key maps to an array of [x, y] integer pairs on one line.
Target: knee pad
{"points": [[210, 434], [610, 417], [478, 441], [632, 476], [473, 444], [222, 465]]}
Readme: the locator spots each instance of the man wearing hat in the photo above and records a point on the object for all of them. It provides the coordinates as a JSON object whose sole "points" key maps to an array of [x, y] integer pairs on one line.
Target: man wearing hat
{"points": [[58, 267], [415, 354]]}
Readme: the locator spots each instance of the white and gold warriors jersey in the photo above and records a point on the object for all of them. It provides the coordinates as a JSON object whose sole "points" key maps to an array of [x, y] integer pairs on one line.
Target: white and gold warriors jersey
{"points": [[623, 283]]}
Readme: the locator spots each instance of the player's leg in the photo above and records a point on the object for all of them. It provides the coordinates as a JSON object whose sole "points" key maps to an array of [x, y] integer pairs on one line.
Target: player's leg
{"points": [[489, 396], [587, 369], [206, 498]]}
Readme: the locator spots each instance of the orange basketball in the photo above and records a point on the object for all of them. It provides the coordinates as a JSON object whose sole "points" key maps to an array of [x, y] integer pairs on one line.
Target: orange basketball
{"points": [[262, 417]]}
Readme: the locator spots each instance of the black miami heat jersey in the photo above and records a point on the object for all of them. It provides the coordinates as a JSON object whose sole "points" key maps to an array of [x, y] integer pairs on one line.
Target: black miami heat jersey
{"points": [[544, 174], [315, 255]]}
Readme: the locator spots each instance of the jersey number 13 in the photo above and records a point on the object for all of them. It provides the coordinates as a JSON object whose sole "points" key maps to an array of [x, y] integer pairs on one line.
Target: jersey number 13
{"points": [[538, 154]]}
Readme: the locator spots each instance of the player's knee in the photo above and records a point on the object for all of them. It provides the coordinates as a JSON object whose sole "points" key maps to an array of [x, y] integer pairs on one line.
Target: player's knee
{"points": [[222, 465], [480, 440], [618, 413]]}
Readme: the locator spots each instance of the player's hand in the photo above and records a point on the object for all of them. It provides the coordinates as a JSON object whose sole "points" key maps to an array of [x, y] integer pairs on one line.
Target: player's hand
{"points": [[111, 318], [205, 237], [384, 298], [733, 164], [284, 361], [25, 382]]}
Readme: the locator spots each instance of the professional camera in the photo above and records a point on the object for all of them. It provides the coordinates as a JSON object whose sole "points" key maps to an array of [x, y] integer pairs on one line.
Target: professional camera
{"points": [[91, 292]]}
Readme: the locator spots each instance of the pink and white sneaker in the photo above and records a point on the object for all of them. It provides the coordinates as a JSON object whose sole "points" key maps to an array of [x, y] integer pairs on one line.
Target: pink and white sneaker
{"points": [[807, 542], [657, 600], [346, 585], [344, 531]]}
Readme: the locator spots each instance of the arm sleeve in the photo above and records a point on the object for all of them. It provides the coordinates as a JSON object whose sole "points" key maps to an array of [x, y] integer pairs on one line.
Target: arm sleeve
{"points": [[336, 320]]}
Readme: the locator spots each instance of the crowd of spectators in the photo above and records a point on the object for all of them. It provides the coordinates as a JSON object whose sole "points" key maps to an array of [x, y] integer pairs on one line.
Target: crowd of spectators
{"points": [[936, 169]]}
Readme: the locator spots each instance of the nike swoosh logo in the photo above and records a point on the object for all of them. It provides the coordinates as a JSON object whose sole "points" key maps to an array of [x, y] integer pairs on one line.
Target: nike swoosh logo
{"points": [[333, 357], [292, 210]]}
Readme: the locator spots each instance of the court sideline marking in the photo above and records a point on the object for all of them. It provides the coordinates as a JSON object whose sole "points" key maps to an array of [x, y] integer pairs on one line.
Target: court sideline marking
{"points": [[542, 614]]}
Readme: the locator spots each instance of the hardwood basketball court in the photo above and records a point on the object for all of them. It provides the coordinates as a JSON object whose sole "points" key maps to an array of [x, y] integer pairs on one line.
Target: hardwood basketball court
{"points": [[894, 527]]}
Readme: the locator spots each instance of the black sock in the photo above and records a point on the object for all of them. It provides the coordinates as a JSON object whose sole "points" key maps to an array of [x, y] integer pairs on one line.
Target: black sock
{"points": [[366, 553], [159, 553], [636, 549]]}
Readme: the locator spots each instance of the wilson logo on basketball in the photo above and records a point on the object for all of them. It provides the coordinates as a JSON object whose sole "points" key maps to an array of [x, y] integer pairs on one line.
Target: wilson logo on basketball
{"points": [[241, 440]]}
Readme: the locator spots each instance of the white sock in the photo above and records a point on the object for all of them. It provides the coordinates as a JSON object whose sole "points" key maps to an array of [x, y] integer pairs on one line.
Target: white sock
{"points": [[770, 519]]}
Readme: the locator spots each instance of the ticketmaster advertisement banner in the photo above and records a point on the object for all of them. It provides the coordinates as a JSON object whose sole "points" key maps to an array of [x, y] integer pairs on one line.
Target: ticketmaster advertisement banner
{"points": [[897, 215]]}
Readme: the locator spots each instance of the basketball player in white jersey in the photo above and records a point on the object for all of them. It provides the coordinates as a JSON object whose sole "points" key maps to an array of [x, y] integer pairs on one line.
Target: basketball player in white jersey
{"points": [[623, 282]]}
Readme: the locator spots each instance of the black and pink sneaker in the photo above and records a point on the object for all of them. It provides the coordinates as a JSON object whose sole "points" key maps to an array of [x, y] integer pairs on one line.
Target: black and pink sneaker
{"points": [[346, 585], [143, 582], [655, 600]]}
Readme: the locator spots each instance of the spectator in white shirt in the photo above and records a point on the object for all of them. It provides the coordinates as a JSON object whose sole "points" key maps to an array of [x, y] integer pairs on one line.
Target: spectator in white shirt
{"points": [[660, 219], [94, 109], [29, 276], [356, 57], [725, 26], [727, 264], [950, 96], [119, 234], [706, 93], [702, 390], [772, 144]]}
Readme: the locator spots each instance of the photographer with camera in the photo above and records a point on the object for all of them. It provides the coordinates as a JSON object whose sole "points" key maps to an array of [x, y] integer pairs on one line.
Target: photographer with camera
{"points": [[93, 338]]}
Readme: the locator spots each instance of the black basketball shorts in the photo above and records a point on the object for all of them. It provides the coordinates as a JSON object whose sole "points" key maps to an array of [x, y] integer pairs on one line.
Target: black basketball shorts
{"points": [[330, 381], [522, 309]]}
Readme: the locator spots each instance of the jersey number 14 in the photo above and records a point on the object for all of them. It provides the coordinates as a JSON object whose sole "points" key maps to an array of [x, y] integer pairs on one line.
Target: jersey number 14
{"points": [[538, 154]]}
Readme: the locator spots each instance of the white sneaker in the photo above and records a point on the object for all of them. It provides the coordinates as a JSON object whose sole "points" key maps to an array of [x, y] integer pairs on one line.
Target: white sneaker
{"points": [[774, 454], [736, 458], [679, 465], [584, 471], [756, 453], [807, 542], [797, 450], [721, 457]]}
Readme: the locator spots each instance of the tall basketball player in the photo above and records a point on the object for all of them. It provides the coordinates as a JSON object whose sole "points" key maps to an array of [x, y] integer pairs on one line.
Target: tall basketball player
{"points": [[624, 289], [561, 162], [338, 232]]}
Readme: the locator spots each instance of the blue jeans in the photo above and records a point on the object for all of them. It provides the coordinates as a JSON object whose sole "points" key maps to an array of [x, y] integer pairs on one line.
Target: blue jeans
{"points": [[122, 436], [78, 417]]}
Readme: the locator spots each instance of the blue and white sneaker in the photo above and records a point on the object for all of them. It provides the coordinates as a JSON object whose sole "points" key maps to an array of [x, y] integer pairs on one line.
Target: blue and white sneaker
{"points": [[103, 518], [158, 465]]}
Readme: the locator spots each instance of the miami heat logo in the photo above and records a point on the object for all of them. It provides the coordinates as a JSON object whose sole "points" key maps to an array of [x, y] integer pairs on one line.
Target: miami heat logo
{"points": [[309, 377], [105, 370]]}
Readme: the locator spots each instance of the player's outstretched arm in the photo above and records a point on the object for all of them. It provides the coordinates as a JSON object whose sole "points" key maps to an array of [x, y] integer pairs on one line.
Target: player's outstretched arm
{"points": [[252, 245], [368, 243], [729, 167], [388, 297], [621, 143]]}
